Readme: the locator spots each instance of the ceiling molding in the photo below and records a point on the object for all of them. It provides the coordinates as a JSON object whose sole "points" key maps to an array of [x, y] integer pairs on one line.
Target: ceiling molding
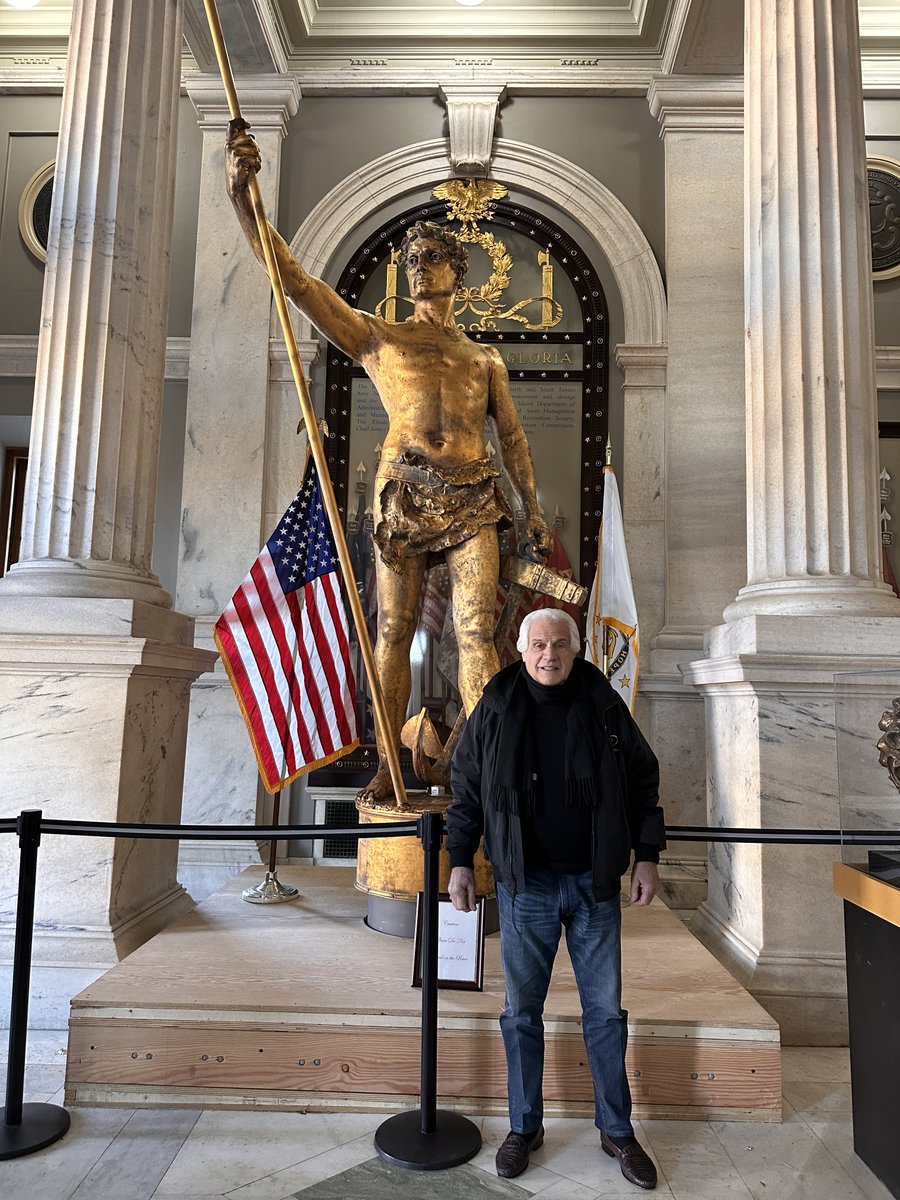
{"points": [[40, 74], [50, 22], [551, 75], [880, 75], [359, 47], [627, 20], [705, 37], [879, 22], [251, 34]]}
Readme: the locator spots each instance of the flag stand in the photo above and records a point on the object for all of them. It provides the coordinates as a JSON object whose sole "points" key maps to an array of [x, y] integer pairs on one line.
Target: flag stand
{"points": [[271, 890]]}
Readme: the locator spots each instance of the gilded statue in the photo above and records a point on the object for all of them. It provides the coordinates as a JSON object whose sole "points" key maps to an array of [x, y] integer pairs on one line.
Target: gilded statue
{"points": [[435, 488]]}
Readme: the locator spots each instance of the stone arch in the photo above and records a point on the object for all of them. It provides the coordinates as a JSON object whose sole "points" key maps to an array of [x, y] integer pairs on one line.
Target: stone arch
{"points": [[533, 170], [642, 354]]}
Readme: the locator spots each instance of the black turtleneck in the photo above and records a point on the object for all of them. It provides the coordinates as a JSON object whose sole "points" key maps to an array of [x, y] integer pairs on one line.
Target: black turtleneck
{"points": [[554, 834]]}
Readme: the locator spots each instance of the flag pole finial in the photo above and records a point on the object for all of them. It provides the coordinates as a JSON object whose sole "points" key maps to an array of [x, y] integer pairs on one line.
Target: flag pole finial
{"points": [[608, 450]]}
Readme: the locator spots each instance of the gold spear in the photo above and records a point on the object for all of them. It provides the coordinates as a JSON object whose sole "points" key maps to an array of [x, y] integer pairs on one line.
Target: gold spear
{"points": [[309, 416]]}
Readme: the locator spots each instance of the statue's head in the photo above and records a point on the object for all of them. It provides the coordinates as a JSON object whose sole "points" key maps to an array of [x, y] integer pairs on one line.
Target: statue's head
{"points": [[430, 231]]}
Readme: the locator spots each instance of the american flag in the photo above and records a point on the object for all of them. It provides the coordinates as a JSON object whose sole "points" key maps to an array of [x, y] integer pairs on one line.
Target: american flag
{"points": [[283, 640]]}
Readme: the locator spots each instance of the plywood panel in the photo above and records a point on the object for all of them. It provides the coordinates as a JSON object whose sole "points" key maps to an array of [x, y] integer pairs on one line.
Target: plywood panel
{"points": [[303, 1004]]}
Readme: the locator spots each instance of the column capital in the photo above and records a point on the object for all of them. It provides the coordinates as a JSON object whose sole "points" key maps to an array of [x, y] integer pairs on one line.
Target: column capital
{"points": [[267, 101], [887, 367], [472, 113], [701, 103], [644, 366]]}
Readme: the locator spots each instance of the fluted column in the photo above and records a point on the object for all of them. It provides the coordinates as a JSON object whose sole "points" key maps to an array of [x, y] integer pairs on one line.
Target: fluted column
{"points": [[813, 531], [91, 490], [95, 667], [814, 605]]}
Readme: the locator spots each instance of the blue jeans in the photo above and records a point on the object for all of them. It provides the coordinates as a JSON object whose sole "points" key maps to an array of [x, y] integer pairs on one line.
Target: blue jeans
{"points": [[530, 927]]}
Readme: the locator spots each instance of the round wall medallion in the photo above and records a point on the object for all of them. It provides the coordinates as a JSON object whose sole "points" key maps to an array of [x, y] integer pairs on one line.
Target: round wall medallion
{"points": [[34, 210], [884, 209]]}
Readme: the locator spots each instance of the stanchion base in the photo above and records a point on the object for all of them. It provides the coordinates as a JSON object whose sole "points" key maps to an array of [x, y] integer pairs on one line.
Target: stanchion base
{"points": [[42, 1124], [270, 891], [400, 1141]]}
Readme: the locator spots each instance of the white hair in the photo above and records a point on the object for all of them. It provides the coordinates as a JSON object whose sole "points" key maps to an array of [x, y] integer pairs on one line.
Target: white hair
{"points": [[558, 617]]}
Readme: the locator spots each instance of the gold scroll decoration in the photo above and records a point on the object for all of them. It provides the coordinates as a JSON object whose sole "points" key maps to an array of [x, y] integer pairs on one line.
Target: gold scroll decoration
{"points": [[470, 201]]}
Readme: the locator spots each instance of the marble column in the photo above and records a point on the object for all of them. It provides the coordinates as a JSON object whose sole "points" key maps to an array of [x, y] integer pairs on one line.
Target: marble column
{"points": [[701, 124], [228, 464], [814, 603], [95, 669]]}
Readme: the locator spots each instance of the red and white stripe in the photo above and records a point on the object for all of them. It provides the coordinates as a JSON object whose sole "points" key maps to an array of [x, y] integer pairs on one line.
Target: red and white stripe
{"points": [[288, 658]]}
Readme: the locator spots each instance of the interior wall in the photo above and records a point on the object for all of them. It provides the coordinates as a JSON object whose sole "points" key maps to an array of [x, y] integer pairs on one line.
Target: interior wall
{"points": [[883, 139], [613, 138], [185, 231], [28, 134]]}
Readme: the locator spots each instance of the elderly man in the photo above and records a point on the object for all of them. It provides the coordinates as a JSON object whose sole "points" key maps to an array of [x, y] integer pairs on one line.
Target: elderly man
{"points": [[435, 490], [555, 773]]}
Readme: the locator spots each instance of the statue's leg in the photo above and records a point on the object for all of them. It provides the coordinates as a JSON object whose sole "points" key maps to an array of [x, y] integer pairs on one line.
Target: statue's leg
{"points": [[398, 604], [474, 568]]}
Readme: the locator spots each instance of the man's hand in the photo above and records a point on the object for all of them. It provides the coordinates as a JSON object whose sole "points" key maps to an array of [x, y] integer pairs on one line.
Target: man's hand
{"points": [[242, 160], [462, 889], [644, 882]]}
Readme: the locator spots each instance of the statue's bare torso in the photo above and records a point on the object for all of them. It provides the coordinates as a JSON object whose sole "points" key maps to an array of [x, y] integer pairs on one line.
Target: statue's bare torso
{"points": [[437, 387]]}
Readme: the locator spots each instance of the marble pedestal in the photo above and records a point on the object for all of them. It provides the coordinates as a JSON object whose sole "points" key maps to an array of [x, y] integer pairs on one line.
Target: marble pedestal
{"points": [[676, 730], [771, 915], [94, 700]]}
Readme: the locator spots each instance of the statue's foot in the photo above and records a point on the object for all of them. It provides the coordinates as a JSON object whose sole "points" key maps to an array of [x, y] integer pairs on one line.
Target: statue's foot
{"points": [[379, 789]]}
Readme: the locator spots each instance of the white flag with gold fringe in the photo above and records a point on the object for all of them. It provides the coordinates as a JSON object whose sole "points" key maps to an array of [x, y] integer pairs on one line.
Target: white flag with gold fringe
{"points": [[612, 639]]}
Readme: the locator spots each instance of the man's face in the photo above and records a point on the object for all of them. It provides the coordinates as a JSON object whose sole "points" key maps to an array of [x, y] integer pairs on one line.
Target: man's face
{"points": [[429, 269], [549, 655]]}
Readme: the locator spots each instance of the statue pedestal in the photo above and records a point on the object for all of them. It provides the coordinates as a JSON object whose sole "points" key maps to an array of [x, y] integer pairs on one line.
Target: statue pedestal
{"points": [[391, 870]]}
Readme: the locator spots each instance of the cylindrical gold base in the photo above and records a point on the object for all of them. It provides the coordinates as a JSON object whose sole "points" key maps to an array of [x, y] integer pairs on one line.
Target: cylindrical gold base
{"points": [[393, 867]]}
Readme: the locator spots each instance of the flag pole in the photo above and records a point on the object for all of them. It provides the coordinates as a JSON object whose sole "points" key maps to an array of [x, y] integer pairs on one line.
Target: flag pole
{"points": [[599, 551], [309, 419]]}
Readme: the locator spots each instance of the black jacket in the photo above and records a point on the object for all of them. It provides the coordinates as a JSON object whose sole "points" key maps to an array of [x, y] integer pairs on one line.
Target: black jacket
{"points": [[628, 815]]}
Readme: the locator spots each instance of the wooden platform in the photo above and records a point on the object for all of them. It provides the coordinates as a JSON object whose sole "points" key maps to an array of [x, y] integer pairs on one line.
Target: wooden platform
{"points": [[301, 1006]]}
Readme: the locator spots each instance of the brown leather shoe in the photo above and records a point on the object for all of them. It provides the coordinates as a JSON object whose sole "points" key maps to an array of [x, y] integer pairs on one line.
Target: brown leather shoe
{"points": [[512, 1157], [637, 1165]]}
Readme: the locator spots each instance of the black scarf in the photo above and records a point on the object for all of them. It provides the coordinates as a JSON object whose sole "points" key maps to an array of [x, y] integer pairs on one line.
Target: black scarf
{"points": [[514, 789]]}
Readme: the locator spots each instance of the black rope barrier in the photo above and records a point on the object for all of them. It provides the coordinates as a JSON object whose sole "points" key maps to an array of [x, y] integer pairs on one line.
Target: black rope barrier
{"points": [[443, 1139], [225, 833], [420, 1140]]}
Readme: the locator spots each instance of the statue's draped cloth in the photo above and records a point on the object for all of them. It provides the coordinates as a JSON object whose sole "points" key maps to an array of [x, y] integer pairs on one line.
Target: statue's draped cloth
{"points": [[421, 508]]}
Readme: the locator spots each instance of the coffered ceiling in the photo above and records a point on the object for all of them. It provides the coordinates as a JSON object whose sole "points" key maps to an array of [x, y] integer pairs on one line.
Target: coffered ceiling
{"points": [[544, 45]]}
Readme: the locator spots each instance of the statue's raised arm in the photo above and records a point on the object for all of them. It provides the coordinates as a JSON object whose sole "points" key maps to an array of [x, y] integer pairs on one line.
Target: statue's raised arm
{"points": [[349, 329]]}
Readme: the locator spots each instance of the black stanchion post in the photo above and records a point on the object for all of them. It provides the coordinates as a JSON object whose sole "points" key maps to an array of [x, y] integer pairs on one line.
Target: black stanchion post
{"points": [[428, 1138], [431, 844], [25, 1127]]}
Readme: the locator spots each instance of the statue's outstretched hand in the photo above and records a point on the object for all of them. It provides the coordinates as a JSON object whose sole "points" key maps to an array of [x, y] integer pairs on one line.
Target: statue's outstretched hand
{"points": [[242, 159]]}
